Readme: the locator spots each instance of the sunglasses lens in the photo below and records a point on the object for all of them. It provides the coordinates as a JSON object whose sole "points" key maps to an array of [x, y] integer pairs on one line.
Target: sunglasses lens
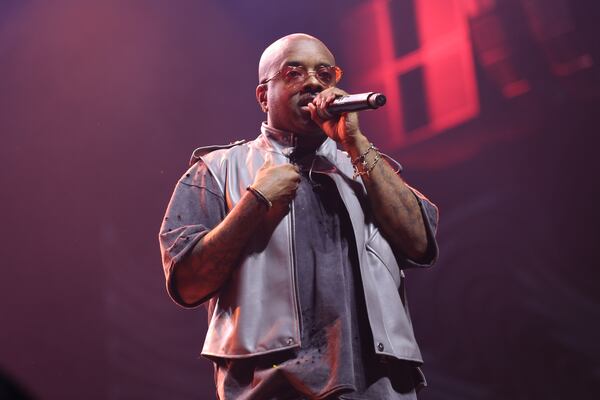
{"points": [[326, 75], [294, 75]]}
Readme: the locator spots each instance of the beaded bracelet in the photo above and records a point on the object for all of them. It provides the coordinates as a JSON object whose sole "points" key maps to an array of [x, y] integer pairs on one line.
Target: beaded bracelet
{"points": [[260, 196]]}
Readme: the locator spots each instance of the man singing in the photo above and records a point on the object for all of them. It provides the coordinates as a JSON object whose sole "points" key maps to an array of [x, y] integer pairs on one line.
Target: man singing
{"points": [[298, 246]]}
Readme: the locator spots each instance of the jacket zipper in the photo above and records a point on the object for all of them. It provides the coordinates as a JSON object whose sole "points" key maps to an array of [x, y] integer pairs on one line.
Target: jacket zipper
{"points": [[294, 270], [292, 230]]}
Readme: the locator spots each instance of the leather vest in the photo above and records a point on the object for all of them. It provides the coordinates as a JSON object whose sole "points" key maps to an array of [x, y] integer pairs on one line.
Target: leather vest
{"points": [[257, 310]]}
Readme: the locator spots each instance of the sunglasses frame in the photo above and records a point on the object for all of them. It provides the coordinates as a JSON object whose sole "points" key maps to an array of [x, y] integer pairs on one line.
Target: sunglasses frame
{"points": [[337, 72]]}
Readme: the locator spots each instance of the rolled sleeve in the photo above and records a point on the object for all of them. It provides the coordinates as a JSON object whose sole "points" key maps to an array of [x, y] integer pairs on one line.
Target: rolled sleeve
{"points": [[195, 208]]}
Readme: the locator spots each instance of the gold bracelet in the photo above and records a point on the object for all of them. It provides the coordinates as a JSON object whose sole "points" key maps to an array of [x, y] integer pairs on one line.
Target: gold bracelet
{"points": [[366, 168], [361, 159], [260, 196]]}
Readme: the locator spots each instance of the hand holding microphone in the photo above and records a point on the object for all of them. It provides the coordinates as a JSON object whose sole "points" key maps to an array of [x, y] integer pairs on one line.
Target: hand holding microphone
{"points": [[334, 111]]}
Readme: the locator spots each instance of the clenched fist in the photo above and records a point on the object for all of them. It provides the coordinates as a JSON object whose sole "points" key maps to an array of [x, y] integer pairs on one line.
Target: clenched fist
{"points": [[278, 183]]}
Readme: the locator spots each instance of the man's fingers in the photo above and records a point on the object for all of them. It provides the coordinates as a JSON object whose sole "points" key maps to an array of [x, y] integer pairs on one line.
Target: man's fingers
{"points": [[314, 114], [318, 110], [329, 99]]}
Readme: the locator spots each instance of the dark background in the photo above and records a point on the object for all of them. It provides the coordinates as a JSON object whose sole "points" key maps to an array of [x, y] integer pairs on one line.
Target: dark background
{"points": [[102, 102]]}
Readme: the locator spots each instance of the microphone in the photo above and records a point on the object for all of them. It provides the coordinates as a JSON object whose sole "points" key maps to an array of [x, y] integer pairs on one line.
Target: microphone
{"points": [[357, 102]]}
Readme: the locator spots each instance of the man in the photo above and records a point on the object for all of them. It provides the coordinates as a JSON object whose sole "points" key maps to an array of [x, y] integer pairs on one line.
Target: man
{"points": [[299, 247]]}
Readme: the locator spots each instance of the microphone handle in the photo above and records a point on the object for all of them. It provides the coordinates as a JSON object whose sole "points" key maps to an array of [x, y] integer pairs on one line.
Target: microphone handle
{"points": [[357, 102]]}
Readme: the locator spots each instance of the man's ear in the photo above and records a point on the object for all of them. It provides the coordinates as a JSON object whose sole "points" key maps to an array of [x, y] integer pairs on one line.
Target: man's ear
{"points": [[261, 97]]}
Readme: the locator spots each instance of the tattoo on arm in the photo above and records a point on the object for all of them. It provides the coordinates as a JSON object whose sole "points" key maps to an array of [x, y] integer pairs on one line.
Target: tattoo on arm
{"points": [[210, 263], [396, 210]]}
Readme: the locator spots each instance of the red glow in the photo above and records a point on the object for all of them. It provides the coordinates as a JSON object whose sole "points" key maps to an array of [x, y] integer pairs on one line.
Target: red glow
{"points": [[449, 70], [444, 54]]}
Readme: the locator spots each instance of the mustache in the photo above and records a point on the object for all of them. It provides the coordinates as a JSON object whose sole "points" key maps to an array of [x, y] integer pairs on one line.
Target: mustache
{"points": [[306, 98]]}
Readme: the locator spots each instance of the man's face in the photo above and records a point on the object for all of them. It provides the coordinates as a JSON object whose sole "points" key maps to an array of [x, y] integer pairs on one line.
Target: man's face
{"points": [[286, 103]]}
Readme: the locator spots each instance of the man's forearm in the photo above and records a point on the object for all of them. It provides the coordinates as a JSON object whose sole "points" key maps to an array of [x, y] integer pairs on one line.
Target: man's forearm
{"points": [[210, 263], [393, 203]]}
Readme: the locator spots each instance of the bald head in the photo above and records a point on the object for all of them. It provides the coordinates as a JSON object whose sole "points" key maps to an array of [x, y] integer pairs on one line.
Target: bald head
{"points": [[279, 50]]}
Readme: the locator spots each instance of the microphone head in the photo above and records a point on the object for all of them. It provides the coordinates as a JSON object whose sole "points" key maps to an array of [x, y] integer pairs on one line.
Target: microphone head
{"points": [[377, 100], [380, 100]]}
